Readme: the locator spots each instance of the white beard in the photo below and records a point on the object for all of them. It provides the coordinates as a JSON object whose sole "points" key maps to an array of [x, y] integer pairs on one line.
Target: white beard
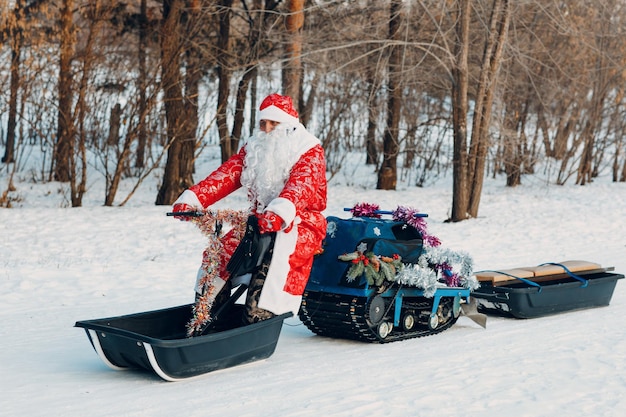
{"points": [[267, 164]]}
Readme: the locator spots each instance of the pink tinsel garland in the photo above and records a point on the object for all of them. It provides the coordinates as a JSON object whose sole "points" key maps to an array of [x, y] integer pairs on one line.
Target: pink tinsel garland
{"points": [[403, 214], [408, 215], [366, 210]]}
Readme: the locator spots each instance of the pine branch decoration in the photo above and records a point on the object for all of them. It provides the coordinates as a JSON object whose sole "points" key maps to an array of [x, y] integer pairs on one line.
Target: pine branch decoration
{"points": [[376, 269]]}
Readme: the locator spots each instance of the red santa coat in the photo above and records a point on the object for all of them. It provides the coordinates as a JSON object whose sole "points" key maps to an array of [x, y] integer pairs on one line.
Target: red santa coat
{"points": [[299, 204]]}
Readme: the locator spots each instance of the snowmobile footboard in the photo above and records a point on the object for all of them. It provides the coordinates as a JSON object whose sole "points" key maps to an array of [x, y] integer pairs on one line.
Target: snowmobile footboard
{"points": [[156, 341], [546, 289]]}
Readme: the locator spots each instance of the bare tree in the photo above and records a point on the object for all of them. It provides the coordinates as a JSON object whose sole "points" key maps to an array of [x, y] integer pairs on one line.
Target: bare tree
{"points": [[224, 74], [292, 67], [257, 44], [180, 125], [460, 85], [142, 135], [498, 29], [607, 74], [16, 35], [371, 150], [388, 172], [65, 123]]}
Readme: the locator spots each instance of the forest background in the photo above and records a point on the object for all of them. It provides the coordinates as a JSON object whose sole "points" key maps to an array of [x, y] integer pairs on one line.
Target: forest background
{"points": [[125, 89]]}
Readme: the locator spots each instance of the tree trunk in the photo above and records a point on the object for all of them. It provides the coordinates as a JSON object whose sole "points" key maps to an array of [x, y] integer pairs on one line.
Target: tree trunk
{"points": [[542, 124], [87, 61], [224, 75], [594, 116], [305, 109], [114, 125], [171, 81], [460, 192], [499, 26], [584, 168], [388, 172], [9, 150], [240, 106], [565, 130], [142, 135], [255, 38], [512, 157], [253, 106], [371, 151], [122, 158], [193, 75], [16, 35], [292, 67], [65, 126]]}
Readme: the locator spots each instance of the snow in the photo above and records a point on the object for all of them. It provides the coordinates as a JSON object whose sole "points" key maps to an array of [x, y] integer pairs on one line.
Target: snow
{"points": [[61, 265]]}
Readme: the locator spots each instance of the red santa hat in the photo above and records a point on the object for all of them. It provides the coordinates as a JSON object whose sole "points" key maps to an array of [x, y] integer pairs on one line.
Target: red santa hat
{"points": [[278, 108]]}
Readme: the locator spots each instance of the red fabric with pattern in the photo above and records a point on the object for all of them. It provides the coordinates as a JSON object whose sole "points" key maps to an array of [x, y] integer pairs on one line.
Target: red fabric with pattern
{"points": [[306, 188], [282, 102], [220, 182]]}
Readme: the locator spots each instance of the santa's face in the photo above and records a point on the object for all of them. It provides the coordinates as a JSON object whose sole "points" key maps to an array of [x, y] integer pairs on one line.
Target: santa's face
{"points": [[267, 125]]}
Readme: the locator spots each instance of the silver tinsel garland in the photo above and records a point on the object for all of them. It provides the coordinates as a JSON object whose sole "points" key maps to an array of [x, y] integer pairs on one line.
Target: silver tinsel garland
{"points": [[423, 275]]}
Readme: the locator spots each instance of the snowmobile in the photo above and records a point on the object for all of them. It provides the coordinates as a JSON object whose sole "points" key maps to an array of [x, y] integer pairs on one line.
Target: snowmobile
{"points": [[353, 294]]}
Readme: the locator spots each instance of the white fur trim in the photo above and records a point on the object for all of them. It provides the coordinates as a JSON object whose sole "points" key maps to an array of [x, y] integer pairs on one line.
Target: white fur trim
{"points": [[284, 208], [275, 114], [304, 139], [273, 296], [190, 198]]}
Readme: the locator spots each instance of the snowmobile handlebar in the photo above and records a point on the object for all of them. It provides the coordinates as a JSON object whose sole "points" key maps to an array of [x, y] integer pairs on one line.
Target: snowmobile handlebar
{"points": [[186, 213], [387, 212]]}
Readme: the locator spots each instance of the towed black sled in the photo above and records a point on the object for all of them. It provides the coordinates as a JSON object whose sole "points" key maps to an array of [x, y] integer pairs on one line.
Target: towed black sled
{"points": [[419, 292], [547, 289]]}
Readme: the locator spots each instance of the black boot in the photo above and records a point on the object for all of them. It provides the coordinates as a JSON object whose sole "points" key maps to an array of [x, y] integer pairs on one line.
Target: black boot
{"points": [[252, 313]]}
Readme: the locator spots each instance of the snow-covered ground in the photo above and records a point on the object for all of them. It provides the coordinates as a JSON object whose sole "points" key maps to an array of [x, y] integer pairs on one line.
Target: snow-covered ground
{"points": [[60, 265]]}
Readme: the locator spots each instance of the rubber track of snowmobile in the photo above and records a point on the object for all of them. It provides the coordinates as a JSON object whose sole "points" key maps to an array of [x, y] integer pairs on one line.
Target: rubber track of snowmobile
{"points": [[346, 317]]}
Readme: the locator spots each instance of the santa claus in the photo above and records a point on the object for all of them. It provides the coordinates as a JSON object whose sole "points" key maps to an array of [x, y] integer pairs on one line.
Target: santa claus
{"points": [[283, 168]]}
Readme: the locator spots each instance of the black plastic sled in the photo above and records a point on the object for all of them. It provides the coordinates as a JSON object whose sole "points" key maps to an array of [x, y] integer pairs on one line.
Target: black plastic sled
{"points": [[545, 290], [155, 341]]}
